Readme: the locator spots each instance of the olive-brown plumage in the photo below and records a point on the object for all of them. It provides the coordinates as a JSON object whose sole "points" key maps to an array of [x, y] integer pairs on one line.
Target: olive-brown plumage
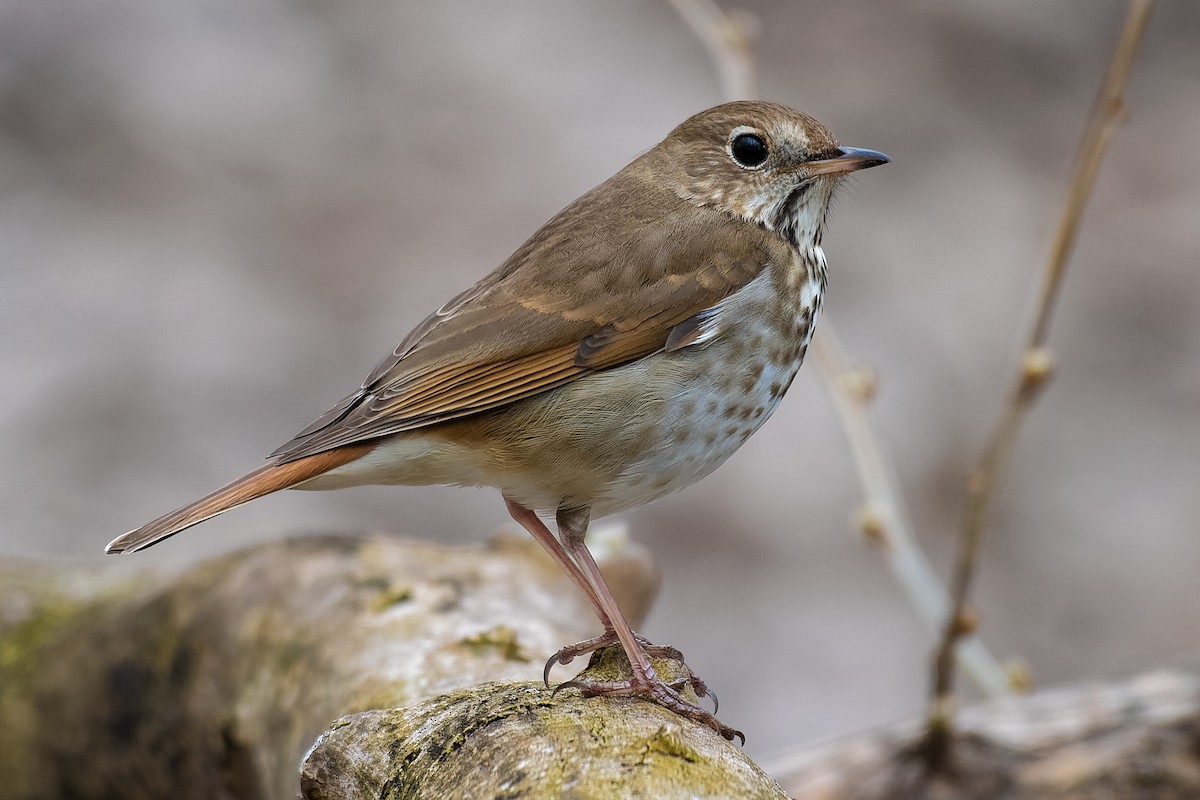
{"points": [[624, 351]]}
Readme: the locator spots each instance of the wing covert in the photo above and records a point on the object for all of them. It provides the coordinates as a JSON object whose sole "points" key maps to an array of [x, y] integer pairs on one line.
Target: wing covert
{"points": [[574, 299]]}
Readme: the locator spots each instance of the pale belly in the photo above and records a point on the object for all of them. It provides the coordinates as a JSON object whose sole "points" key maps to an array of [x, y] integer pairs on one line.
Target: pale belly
{"points": [[699, 429]]}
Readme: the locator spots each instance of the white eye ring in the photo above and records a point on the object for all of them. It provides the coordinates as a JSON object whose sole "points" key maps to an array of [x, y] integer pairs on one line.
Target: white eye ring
{"points": [[748, 147]]}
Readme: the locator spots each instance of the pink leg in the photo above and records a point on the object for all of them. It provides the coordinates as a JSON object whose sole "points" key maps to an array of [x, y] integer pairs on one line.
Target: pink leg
{"points": [[572, 525], [549, 542], [530, 522]]}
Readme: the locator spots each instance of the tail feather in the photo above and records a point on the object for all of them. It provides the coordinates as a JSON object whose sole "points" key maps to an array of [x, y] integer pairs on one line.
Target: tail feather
{"points": [[262, 481]]}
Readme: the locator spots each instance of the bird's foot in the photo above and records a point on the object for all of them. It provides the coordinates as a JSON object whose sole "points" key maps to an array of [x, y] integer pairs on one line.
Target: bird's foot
{"points": [[572, 651], [609, 665], [658, 691]]}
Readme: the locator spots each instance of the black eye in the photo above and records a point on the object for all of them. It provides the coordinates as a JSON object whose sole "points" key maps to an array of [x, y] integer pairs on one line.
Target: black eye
{"points": [[748, 150]]}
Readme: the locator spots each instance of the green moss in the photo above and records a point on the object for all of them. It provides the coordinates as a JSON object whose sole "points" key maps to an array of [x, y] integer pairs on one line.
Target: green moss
{"points": [[389, 596], [517, 740], [500, 638], [669, 743], [27, 656], [21, 644]]}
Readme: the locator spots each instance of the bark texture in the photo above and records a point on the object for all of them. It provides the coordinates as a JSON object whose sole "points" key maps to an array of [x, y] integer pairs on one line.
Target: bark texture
{"points": [[214, 683], [416, 670], [519, 741], [1137, 739]]}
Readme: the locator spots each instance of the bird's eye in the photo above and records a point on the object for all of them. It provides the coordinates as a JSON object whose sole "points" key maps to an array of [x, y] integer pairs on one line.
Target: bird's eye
{"points": [[748, 150]]}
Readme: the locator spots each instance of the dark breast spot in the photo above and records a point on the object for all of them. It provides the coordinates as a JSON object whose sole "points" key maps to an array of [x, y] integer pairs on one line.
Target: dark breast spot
{"points": [[788, 385]]}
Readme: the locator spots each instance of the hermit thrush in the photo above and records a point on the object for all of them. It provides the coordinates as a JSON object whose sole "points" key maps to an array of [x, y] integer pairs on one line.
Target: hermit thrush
{"points": [[627, 349]]}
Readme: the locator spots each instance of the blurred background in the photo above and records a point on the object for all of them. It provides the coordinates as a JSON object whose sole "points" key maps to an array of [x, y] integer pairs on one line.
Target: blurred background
{"points": [[217, 215]]}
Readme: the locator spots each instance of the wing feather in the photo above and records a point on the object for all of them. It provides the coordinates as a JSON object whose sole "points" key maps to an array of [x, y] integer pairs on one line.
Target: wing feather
{"points": [[624, 272]]}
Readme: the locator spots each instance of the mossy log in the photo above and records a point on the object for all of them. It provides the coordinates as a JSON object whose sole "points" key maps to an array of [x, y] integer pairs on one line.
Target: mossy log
{"points": [[216, 682], [382, 668], [520, 740]]}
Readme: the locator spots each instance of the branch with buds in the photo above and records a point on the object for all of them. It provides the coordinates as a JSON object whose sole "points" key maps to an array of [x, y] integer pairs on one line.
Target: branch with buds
{"points": [[883, 518], [1035, 369]]}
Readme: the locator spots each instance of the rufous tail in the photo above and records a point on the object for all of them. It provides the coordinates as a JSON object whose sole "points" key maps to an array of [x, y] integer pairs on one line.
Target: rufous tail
{"points": [[262, 481]]}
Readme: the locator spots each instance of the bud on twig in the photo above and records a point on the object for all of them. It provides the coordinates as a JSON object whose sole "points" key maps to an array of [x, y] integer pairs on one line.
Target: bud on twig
{"points": [[1037, 367]]}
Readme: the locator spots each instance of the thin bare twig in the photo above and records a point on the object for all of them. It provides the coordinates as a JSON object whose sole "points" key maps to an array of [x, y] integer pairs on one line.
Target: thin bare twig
{"points": [[884, 517], [1035, 369], [728, 39]]}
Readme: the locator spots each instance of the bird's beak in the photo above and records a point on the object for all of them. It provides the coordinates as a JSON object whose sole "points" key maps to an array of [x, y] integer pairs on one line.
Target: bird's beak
{"points": [[852, 159]]}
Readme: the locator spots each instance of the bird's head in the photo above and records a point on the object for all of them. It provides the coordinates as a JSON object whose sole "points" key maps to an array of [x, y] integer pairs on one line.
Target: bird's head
{"points": [[760, 161]]}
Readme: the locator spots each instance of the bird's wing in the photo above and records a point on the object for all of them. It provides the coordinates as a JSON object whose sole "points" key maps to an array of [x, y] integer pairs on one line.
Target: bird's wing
{"points": [[596, 287]]}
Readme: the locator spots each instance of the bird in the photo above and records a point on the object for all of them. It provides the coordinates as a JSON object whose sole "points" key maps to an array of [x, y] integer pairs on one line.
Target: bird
{"points": [[628, 348]]}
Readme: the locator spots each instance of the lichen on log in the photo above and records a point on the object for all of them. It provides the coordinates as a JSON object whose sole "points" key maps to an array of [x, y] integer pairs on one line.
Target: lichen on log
{"points": [[215, 682]]}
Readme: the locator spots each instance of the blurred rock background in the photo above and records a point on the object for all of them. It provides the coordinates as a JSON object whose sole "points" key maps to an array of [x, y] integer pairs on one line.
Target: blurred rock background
{"points": [[216, 215]]}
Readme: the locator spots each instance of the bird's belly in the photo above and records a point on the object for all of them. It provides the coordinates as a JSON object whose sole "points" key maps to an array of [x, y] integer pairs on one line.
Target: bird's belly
{"points": [[613, 440], [619, 438], [699, 427]]}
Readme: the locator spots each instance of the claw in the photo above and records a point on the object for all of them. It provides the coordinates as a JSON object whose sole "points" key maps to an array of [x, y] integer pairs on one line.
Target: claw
{"points": [[570, 684], [646, 685], [572, 651], [661, 693], [656, 691], [551, 663], [569, 653], [699, 687]]}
